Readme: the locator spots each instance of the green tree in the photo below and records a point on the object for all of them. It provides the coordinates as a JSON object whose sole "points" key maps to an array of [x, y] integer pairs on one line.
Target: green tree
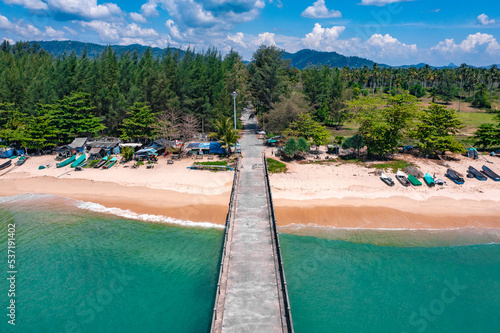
{"points": [[139, 123], [302, 145], [306, 127], [355, 142], [128, 153], [487, 135], [384, 123], [41, 132], [417, 91], [290, 148], [267, 76], [436, 130]]}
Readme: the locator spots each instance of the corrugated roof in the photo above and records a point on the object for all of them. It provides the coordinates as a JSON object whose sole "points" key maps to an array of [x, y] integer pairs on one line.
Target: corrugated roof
{"points": [[78, 142]]}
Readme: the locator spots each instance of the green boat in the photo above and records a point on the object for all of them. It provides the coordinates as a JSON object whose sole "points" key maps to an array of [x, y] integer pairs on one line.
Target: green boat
{"points": [[110, 163], [66, 162], [79, 161], [429, 180], [414, 181]]}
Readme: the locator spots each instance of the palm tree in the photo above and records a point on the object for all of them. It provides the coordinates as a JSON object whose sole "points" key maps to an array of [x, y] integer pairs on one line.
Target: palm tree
{"points": [[224, 131]]}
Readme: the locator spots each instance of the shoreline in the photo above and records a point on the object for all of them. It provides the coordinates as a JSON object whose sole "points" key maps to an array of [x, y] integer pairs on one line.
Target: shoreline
{"points": [[392, 213]]}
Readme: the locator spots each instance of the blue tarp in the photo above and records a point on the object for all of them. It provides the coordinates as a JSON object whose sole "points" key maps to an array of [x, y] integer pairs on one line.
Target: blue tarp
{"points": [[146, 151], [20, 152], [193, 145], [204, 145], [6, 153], [216, 148]]}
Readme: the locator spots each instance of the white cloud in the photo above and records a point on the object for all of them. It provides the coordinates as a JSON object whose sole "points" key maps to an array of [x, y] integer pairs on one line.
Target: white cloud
{"points": [[107, 32], [5, 24], [30, 4], [87, 9], [139, 18], [173, 29], [11, 41], [380, 2], [319, 10], [149, 8], [473, 44], [483, 19], [266, 38], [322, 36], [134, 30], [237, 39], [54, 34], [71, 31]]}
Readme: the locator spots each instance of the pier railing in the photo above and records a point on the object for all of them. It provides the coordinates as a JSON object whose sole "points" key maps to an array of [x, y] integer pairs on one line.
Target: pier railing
{"points": [[229, 216], [274, 230]]}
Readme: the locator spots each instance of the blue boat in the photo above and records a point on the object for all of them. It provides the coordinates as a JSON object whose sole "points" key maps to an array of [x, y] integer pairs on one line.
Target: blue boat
{"points": [[429, 180], [488, 172], [452, 174]]}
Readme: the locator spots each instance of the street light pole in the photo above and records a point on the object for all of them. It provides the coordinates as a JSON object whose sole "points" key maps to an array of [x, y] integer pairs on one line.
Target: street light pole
{"points": [[234, 94]]}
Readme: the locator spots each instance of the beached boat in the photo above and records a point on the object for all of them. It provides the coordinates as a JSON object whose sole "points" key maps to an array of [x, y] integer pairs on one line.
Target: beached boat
{"points": [[110, 163], [66, 162], [478, 175], [6, 165], [79, 161], [401, 177], [488, 172], [386, 179], [414, 181], [21, 160], [429, 180], [101, 163], [452, 174]]}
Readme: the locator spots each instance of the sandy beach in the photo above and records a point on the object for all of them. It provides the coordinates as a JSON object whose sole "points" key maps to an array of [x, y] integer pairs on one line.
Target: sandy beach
{"points": [[167, 190], [334, 194]]}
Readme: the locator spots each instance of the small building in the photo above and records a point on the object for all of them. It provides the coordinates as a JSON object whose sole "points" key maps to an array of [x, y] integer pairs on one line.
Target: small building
{"points": [[78, 145], [104, 147], [333, 149], [145, 153]]}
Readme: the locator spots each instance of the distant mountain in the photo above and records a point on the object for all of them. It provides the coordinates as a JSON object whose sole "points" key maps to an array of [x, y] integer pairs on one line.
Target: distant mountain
{"points": [[58, 48], [304, 58]]}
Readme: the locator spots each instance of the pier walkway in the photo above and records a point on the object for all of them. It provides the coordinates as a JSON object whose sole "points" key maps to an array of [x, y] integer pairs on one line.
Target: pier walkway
{"points": [[251, 295]]}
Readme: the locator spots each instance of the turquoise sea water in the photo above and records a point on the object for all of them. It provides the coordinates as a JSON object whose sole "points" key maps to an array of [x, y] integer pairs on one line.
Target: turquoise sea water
{"points": [[80, 271], [343, 282]]}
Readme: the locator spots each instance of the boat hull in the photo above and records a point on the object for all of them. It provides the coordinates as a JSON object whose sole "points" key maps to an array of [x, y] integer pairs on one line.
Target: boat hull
{"points": [[429, 180], [490, 173], [66, 162], [478, 175]]}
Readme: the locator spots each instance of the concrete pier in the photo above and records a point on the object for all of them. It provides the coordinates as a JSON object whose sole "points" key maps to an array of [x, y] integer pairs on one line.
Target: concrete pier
{"points": [[250, 295]]}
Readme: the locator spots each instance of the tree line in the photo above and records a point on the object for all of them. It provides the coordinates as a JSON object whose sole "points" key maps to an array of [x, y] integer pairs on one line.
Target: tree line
{"points": [[47, 100]]}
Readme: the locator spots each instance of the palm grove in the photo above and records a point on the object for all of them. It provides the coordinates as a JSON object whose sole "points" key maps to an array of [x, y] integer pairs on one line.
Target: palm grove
{"points": [[47, 100]]}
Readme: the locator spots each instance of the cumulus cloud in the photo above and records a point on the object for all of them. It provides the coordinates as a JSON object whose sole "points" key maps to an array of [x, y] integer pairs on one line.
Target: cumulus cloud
{"points": [[11, 41], [117, 32], [5, 24], [319, 10], [266, 38], [322, 36], [54, 34], [29, 4], [149, 8], [380, 2], [483, 19], [139, 18], [473, 44], [237, 39]]}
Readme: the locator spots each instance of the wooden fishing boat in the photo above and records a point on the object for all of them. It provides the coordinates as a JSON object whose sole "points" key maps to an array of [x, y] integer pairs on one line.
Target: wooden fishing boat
{"points": [[453, 175], [66, 162], [478, 175], [21, 160], [6, 165], [414, 181], [429, 180], [101, 163], [110, 163], [488, 172], [401, 177], [79, 161], [386, 179]]}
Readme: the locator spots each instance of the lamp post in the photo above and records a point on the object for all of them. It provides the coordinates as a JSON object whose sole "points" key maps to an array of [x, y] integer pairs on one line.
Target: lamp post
{"points": [[234, 94]]}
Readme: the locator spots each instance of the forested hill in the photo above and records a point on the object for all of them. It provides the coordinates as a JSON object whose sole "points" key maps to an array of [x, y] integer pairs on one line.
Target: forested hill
{"points": [[304, 58], [58, 48]]}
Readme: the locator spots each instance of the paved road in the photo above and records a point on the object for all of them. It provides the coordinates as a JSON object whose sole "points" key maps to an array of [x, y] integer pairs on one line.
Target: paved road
{"points": [[252, 301]]}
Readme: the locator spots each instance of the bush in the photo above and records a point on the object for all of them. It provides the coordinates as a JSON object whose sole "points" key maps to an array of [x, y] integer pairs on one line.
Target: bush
{"points": [[302, 145], [290, 148]]}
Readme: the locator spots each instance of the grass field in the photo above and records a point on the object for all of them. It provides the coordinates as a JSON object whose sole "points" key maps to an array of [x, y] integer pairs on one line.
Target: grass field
{"points": [[274, 166], [218, 163]]}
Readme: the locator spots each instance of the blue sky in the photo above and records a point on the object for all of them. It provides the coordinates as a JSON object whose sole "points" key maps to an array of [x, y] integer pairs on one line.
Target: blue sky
{"points": [[393, 32]]}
